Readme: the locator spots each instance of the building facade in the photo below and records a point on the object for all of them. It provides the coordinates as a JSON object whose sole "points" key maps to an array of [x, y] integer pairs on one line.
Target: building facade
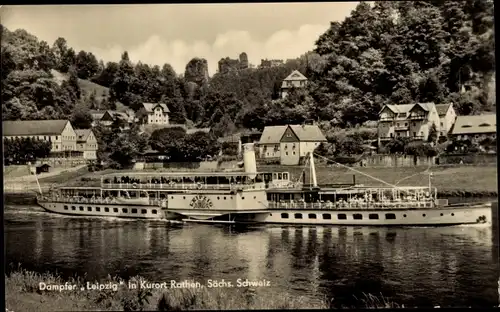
{"points": [[295, 80], [157, 113], [290, 143], [86, 143], [59, 132], [475, 128], [447, 117], [408, 120]]}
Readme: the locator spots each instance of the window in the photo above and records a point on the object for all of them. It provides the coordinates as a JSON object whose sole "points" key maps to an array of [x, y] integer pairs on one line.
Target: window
{"points": [[65, 207], [357, 216], [81, 208], [452, 214], [342, 216], [243, 197], [414, 134], [106, 209], [98, 209], [327, 216], [89, 208], [390, 216], [144, 211], [154, 211], [73, 208], [423, 215], [124, 210], [312, 216], [134, 210], [284, 215], [373, 216], [298, 216], [115, 209]]}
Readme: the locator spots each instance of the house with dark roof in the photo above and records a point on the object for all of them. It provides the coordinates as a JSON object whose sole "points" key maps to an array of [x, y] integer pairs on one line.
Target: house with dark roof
{"points": [[157, 113], [59, 132], [295, 80], [447, 117], [408, 120], [105, 118], [86, 143], [475, 128], [289, 143]]}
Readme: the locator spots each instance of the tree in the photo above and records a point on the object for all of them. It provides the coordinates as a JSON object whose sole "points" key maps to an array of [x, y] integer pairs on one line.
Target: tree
{"points": [[81, 118], [433, 134], [169, 141]]}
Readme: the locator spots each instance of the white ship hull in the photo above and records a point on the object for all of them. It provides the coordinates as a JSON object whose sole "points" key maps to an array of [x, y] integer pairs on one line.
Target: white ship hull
{"points": [[106, 210], [446, 216]]}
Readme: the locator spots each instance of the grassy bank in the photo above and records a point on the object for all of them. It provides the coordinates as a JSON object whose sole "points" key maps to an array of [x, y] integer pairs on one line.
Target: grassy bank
{"points": [[22, 293]]}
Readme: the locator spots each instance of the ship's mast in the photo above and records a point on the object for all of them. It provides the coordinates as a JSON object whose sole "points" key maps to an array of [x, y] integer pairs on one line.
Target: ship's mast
{"points": [[312, 170]]}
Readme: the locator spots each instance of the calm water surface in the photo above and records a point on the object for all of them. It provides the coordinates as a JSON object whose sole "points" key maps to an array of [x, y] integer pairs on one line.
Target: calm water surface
{"points": [[451, 266]]}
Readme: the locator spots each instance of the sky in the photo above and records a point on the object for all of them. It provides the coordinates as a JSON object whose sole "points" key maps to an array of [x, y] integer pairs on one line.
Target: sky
{"points": [[156, 34]]}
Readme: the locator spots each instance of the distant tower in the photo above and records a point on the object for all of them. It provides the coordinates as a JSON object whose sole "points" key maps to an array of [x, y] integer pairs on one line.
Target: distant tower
{"points": [[243, 61]]}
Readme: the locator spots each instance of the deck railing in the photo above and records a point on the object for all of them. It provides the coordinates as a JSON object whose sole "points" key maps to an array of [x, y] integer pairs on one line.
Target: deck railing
{"points": [[98, 200], [179, 186], [361, 205]]}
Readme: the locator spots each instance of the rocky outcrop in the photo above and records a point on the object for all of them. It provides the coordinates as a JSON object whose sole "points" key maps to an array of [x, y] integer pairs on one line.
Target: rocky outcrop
{"points": [[197, 71]]}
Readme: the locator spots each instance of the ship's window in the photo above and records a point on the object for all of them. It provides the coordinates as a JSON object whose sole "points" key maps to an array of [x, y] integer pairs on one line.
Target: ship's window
{"points": [[298, 216], [357, 216], [441, 214], [171, 197], [341, 216], [106, 209], [89, 208], [224, 197], [134, 210], [218, 197], [284, 215], [154, 211], [327, 216], [183, 197], [270, 214], [390, 216], [423, 215], [124, 210], [144, 211], [312, 216], [254, 197], [404, 215], [452, 214], [243, 197], [81, 208], [97, 208], [65, 207], [115, 209], [73, 208], [373, 216]]}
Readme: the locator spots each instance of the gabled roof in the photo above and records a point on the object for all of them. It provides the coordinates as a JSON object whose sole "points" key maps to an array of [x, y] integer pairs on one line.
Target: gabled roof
{"points": [[295, 75], [82, 135], [150, 106], [273, 134], [308, 133], [406, 108], [33, 127], [442, 109], [475, 124]]}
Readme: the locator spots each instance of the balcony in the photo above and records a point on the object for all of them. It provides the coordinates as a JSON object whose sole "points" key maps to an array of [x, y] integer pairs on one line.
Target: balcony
{"points": [[417, 138], [401, 128], [384, 119], [418, 117]]}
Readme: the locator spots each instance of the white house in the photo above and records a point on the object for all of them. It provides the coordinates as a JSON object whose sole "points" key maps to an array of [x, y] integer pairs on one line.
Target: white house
{"points": [[295, 80], [157, 113]]}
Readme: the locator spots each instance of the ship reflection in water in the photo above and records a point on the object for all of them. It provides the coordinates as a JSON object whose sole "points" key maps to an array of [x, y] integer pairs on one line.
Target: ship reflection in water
{"points": [[449, 266]]}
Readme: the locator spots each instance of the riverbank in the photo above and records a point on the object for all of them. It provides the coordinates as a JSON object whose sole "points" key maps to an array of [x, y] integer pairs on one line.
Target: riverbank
{"points": [[23, 293]]}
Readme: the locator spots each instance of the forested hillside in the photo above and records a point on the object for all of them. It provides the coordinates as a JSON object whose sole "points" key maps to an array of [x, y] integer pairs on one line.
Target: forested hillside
{"points": [[391, 52]]}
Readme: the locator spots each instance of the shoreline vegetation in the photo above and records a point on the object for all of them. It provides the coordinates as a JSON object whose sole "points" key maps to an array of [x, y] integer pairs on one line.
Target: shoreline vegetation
{"points": [[22, 293]]}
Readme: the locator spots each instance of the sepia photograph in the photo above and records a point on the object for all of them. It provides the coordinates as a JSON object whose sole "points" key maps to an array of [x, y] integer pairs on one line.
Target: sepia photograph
{"points": [[248, 156]]}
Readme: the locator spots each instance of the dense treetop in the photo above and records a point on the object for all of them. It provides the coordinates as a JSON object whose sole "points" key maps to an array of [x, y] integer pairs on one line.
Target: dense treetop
{"points": [[389, 52]]}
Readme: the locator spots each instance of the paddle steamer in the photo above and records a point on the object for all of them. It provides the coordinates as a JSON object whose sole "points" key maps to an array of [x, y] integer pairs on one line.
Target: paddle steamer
{"points": [[253, 197]]}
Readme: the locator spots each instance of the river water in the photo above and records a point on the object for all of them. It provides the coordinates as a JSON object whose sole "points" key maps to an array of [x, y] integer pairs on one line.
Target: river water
{"points": [[446, 266]]}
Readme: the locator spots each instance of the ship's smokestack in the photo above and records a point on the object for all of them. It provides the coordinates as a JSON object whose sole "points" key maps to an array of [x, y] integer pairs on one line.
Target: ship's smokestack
{"points": [[249, 159]]}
